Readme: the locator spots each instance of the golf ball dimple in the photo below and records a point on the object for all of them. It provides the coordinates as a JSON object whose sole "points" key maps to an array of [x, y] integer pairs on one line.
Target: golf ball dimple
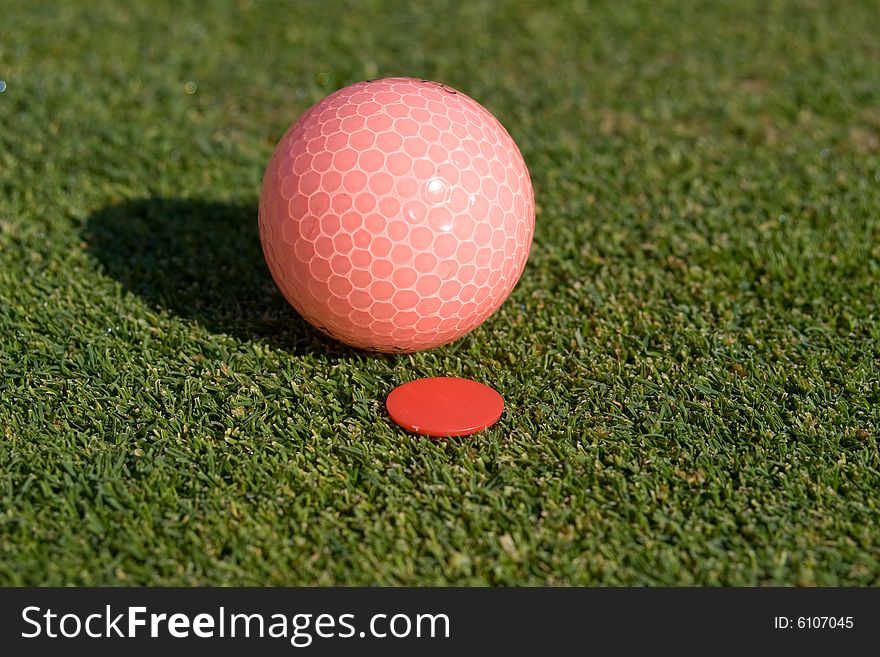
{"points": [[396, 215]]}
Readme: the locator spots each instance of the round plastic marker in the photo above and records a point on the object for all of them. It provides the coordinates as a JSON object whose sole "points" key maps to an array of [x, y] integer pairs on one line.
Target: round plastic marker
{"points": [[444, 406]]}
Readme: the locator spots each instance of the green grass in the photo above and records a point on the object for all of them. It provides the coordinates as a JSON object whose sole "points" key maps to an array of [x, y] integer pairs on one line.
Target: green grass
{"points": [[690, 360]]}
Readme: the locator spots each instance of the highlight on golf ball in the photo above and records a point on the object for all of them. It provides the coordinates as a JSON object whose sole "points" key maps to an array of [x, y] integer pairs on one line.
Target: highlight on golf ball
{"points": [[396, 215]]}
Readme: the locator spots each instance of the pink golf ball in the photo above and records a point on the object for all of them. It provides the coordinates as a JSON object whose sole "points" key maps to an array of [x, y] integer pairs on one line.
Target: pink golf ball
{"points": [[396, 215]]}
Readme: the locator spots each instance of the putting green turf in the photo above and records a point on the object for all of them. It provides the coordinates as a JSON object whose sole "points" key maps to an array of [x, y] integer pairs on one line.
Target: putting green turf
{"points": [[690, 361]]}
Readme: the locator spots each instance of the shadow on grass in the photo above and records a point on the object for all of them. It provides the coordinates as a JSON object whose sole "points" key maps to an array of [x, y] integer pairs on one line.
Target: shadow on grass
{"points": [[202, 261]]}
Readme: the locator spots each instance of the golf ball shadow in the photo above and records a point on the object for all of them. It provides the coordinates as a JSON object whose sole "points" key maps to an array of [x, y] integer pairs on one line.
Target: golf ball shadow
{"points": [[202, 261]]}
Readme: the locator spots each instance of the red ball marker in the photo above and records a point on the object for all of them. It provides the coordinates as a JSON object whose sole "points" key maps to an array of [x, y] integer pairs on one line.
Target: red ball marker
{"points": [[444, 406]]}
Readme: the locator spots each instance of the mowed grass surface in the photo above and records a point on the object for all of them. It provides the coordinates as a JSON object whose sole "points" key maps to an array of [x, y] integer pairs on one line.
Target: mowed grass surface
{"points": [[690, 360]]}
